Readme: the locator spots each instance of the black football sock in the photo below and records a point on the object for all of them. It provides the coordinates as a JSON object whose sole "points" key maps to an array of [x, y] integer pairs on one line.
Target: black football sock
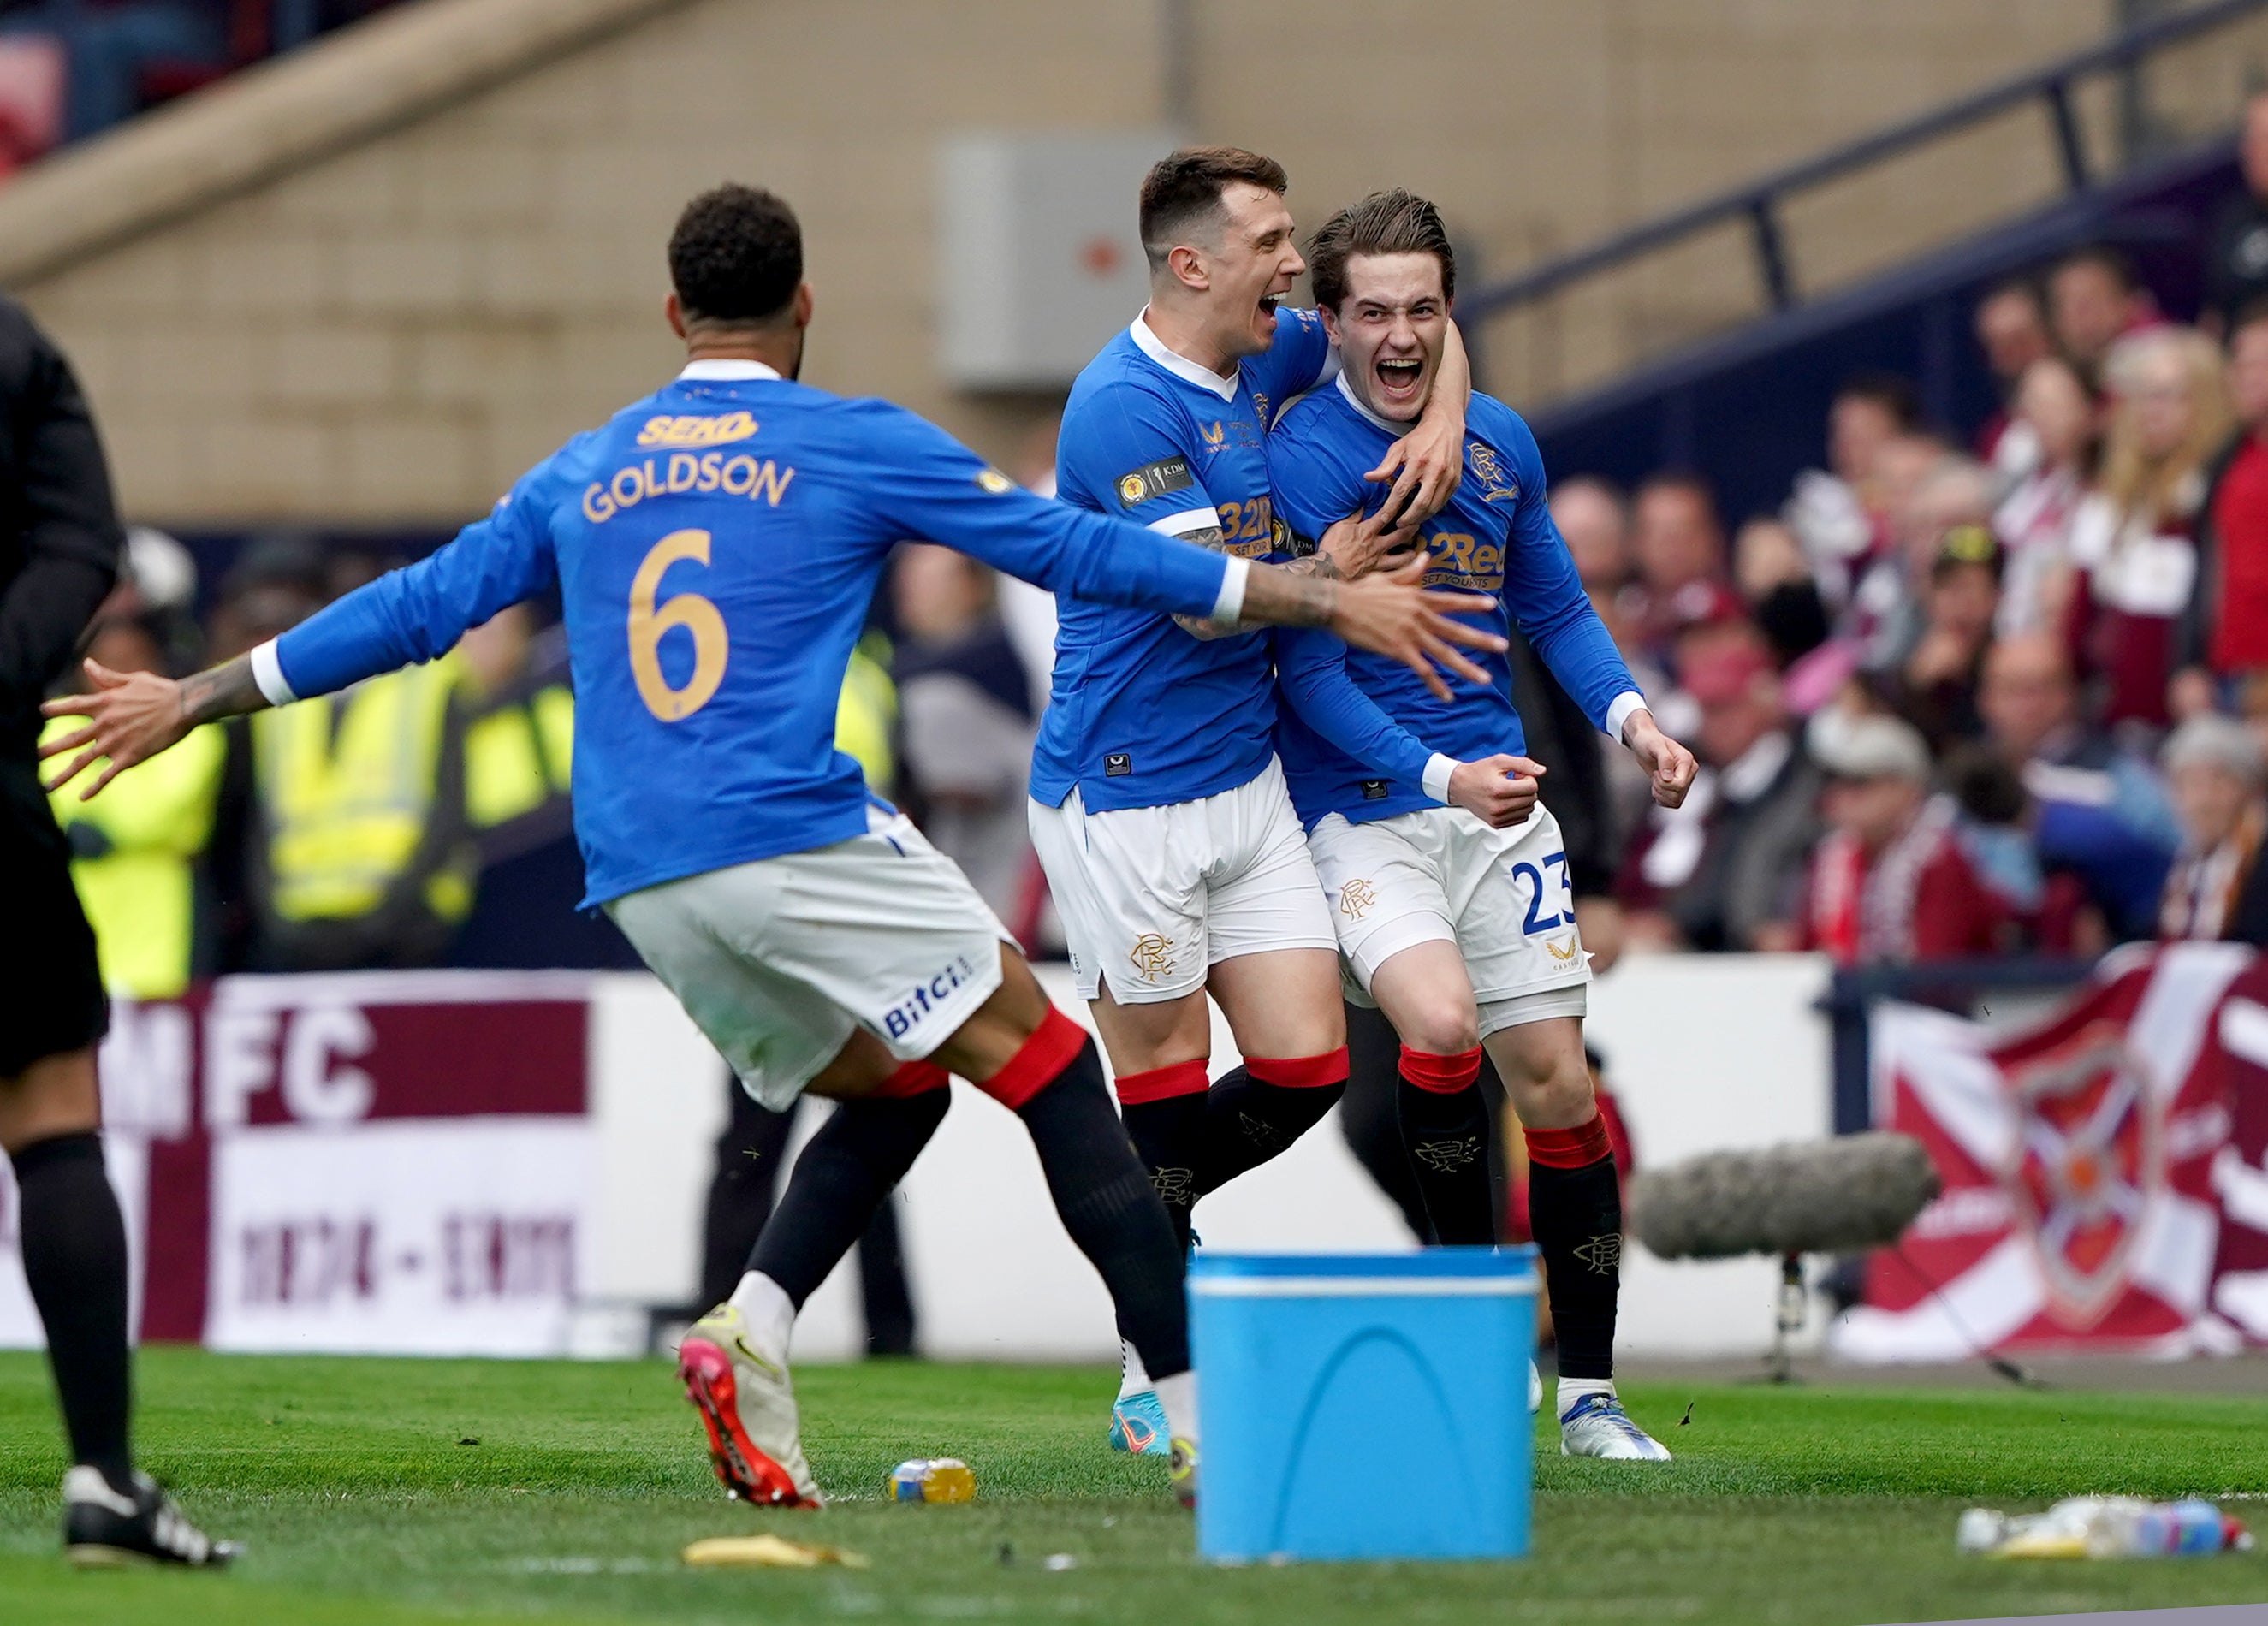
{"points": [[1257, 1110], [1110, 1207], [1575, 1208], [853, 1163], [74, 1244], [1165, 1115], [1445, 1128]]}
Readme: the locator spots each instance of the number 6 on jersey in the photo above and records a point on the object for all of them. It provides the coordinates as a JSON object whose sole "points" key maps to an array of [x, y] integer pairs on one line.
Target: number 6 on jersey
{"points": [[689, 610]]}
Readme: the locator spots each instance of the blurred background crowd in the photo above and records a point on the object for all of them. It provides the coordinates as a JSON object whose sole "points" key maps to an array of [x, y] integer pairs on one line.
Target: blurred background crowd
{"points": [[1957, 695]]}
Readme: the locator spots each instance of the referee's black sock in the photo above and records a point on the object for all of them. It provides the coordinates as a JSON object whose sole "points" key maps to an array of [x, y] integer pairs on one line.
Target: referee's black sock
{"points": [[848, 1169], [1258, 1109], [1164, 1112], [1445, 1128], [74, 1243], [1575, 1209], [1106, 1199]]}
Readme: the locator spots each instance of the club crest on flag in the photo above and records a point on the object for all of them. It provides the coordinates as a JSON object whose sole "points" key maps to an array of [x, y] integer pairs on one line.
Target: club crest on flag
{"points": [[2087, 1165]]}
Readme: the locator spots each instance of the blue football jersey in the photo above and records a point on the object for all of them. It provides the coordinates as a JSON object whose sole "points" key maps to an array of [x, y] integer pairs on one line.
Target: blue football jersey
{"points": [[716, 547], [1142, 713], [1359, 732]]}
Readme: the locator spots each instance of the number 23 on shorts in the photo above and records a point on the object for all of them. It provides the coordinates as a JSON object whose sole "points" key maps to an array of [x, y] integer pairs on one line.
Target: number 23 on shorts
{"points": [[1564, 895]]}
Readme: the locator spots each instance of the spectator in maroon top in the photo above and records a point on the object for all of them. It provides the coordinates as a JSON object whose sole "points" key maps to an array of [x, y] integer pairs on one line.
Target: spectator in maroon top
{"points": [[2011, 330], [2225, 636], [1890, 883], [2057, 414], [2094, 301], [2133, 540]]}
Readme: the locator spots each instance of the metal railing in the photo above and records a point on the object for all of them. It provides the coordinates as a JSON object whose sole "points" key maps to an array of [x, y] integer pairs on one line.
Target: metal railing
{"points": [[1759, 202]]}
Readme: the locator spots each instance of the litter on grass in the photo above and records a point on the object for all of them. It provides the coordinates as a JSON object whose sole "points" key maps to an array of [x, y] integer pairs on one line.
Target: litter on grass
{"points": [[2104, 1528], [769, 1552]]}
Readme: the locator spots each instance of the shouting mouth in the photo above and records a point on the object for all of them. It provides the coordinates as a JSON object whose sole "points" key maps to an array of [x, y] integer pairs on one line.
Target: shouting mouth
{"points": [[1398, 377]]}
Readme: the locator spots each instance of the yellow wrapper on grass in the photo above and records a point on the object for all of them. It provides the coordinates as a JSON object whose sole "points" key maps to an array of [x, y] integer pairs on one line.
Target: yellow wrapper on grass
{"points": [[769, 1552]]}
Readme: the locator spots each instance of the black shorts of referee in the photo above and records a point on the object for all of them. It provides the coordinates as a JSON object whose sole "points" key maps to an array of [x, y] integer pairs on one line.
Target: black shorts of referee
{"points": [[51, 999]]}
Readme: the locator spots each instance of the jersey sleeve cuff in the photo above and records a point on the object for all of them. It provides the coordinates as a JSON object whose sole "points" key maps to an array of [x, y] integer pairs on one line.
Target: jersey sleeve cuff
{"points": [[1618, 715], [1230, 604], [267, 672], [1435, 781], [1186, 521]]}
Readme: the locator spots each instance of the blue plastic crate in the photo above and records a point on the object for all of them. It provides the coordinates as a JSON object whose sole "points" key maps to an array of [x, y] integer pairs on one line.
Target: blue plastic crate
{"points": [[1364, 1406]]}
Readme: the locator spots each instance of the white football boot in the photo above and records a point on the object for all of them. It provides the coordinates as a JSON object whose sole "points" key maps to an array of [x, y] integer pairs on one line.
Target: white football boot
{"points": [[1595, 1424], [748, 1408]]}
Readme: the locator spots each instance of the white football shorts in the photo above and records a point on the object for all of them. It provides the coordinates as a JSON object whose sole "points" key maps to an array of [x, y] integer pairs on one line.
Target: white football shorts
{"points": [[1151, 897], [1440, 875], [778, 960]]}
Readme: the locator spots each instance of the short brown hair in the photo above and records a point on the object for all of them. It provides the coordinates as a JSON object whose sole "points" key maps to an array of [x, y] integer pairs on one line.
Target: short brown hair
{"points": [[1184, 186], [1385, 223]]}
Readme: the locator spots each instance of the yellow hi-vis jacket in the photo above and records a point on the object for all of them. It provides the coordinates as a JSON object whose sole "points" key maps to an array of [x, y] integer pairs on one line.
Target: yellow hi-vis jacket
{"points": [[517, 756], [134, 850], [865, 714], [356, 794]]}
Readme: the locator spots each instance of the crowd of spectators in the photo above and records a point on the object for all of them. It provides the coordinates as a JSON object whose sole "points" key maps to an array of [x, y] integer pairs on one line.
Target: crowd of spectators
{"points": [[1973, 695]]}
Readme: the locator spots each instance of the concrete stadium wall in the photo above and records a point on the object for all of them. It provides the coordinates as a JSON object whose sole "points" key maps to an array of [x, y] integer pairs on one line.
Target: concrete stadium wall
{"points": [[391, 325]]}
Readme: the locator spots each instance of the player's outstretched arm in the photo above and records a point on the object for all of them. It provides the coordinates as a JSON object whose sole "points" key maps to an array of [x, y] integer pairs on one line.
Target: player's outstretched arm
{"points": [[1391, 614], [1349, 549], [133, 716]]}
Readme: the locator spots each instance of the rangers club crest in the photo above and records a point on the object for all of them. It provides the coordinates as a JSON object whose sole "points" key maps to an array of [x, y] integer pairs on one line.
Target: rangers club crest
{"points": [[2086, 1167]]}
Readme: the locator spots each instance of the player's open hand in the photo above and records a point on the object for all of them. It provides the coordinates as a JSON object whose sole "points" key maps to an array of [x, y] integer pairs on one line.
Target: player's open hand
{"points": [[1671, 765], [131, 716], [1500, 791], [1392, 613], [1356, 546], [1424, 466]]}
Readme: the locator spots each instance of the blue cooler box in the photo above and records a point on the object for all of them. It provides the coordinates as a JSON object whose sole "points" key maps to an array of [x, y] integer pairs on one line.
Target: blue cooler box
{"points": [[1364, 1405]]}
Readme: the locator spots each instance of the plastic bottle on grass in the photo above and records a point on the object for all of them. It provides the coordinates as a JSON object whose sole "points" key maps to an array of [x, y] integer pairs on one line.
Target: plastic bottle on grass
{"points": [[2104, 1528], [932, 1479]]}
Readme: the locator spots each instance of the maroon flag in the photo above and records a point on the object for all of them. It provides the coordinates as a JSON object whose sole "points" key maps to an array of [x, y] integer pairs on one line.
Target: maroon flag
{"points": [[2099, 1168]]}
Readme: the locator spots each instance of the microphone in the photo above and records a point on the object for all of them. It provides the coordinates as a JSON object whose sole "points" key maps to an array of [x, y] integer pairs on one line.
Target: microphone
{"points": [[1830, 1196]]}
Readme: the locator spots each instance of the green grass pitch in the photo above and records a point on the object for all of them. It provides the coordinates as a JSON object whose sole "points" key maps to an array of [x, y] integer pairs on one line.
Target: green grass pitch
{"points": [[365, 1499]]}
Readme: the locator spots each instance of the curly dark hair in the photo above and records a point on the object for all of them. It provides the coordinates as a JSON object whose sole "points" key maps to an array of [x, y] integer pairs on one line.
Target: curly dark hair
{"points": [[1398, 222], [736, 256]]}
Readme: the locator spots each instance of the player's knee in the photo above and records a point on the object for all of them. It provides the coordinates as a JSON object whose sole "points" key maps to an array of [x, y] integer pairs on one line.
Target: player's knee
{"points": [[1560, 1096], [1441, 1029]]}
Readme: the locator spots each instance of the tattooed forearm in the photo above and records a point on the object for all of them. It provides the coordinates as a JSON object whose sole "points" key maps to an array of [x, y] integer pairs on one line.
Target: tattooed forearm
{"points": [[226, 690], [1314, 566], [1198, 626], [1278, 595]]}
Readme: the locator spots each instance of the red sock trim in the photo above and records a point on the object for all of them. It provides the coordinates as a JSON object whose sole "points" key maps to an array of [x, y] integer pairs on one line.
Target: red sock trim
{"points": [[913, 1078], [1041, 1060], [1444, 1075], [1299, 1072], [1161, 1084], [1578, 1148]]}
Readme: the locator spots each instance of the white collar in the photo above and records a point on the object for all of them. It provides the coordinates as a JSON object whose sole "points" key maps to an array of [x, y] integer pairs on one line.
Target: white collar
{"points": [[721, 370], [1180, 365], [1352, 400]]}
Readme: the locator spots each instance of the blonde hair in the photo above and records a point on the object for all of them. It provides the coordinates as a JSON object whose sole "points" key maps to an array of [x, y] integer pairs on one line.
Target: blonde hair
{"points": [[2139, 486]]}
